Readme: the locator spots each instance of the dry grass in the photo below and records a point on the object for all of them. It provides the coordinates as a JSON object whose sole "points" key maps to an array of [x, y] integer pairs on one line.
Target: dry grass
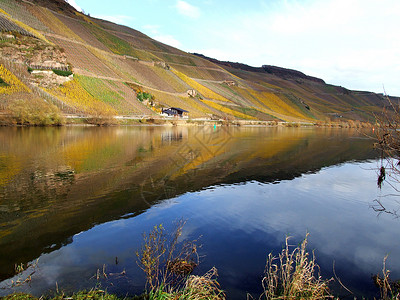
{"points": [[201, 287], [168, 264], [164, 260], [292, 275], [388, 289]]}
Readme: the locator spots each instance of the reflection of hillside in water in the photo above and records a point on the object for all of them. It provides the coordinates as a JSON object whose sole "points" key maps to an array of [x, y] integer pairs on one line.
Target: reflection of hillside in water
{"points": [[56, 182]]}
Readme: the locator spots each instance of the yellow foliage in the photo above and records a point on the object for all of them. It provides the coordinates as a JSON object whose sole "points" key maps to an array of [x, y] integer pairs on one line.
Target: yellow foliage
{"points": [[48, 18], [73, 93], [228, 110], [3, 12], [276, 104], [206, 92], [28, 28], [196, 105], [14, 84], [87, 20]]}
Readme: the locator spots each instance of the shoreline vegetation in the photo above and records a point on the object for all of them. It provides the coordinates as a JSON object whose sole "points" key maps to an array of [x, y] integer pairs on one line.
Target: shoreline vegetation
{"points": [[168, 264], [23, 115]]}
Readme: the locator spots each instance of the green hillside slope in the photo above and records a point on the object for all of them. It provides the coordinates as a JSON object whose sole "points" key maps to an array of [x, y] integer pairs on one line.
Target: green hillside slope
{"points": [[112, 64]]}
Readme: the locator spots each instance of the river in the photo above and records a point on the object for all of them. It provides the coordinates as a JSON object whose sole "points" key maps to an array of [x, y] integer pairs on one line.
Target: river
{"points": [[78, 199]]}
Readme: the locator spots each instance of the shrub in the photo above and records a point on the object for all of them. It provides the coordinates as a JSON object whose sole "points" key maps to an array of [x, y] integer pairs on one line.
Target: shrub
{"points": [[144, 96], [62, 73], [34, 112], [290, 124], [3, 83]]}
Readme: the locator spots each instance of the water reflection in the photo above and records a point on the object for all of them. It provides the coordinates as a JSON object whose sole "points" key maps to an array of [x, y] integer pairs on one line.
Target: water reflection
{"points": [[58, 182]]}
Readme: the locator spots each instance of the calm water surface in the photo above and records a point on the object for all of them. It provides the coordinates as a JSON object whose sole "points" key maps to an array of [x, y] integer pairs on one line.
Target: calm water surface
{"points": [[76, 198]]}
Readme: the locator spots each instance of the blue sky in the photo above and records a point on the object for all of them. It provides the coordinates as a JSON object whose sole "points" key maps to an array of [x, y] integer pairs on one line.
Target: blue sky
{"points": [[352, 43]]}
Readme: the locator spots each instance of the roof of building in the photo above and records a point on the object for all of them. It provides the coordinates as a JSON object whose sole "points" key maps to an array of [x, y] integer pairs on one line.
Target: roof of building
{"points": [[174, 110], [178, 109]]}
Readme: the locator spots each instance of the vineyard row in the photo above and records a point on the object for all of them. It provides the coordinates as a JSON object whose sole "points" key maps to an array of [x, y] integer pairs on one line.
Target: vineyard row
{"points": [[8, 26]]}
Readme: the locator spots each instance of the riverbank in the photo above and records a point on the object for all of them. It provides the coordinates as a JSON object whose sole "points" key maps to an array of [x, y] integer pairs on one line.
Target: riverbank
{"points": [[66, 120], [145, 120]]}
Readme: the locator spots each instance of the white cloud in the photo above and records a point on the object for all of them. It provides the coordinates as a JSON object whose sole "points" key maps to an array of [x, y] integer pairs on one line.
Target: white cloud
{"points": [[168, 39], [154, 32], [117, 19], [151, 28], [187, 9], [351, 43], [73, 3]]}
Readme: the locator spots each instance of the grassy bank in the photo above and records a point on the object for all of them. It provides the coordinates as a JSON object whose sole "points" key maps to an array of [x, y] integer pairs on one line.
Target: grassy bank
{"points": [[36, 112]]}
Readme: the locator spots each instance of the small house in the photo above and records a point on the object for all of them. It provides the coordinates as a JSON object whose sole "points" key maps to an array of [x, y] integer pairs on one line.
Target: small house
{"points": [[175, 112]]}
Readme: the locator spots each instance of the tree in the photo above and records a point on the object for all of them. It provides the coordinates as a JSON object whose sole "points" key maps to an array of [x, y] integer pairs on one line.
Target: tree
{"points": [[388, 143]]}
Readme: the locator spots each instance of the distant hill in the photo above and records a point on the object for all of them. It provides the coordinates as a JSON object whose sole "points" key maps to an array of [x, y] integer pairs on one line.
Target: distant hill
{"points": [[107, 69], [278, 71]]}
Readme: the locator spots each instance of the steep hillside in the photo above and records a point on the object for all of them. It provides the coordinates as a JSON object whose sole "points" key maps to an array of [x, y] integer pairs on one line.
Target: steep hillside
{"points": [[107, 69]]}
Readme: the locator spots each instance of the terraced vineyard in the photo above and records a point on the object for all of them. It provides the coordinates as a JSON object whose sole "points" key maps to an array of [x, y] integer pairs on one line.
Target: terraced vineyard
{"points": [[150, 76], [113, 94], [22, 13], [228, 111], [204, 73], [112, 42], [8, 26], [74, 94], [81, 30], [133, 106], [104, 56], [206, 92], [172, 80], [11, 84], [143, 42], [51, 21], [83, 59], [226, 91]]}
